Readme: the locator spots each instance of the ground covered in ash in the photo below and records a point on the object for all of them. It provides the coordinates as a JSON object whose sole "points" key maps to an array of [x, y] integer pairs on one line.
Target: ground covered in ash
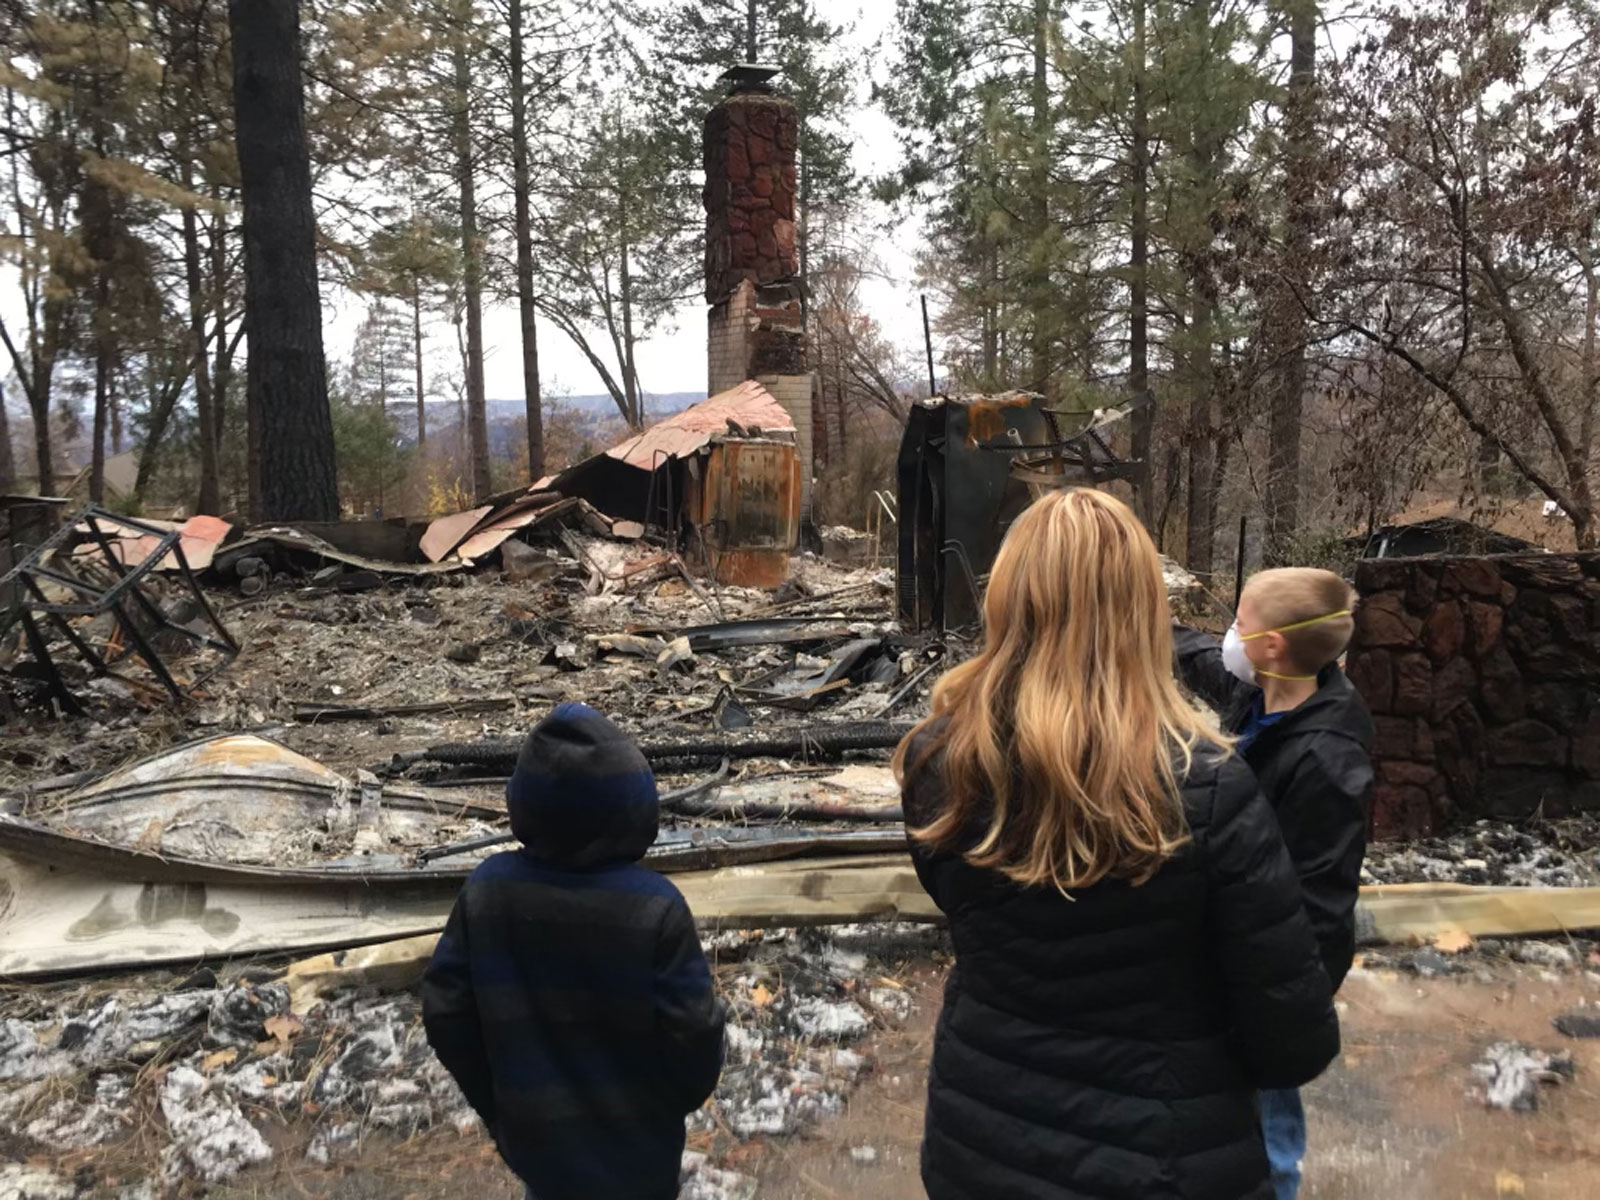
{"points": [[1537, 853], [158, 1085], [503, 646]]}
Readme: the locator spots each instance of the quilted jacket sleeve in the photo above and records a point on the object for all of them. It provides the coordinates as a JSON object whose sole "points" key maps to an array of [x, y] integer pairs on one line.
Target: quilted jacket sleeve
{"points": [[1323, 815], [1197, 658], [1281, 1005], [450, 1016], [689, 1016]]}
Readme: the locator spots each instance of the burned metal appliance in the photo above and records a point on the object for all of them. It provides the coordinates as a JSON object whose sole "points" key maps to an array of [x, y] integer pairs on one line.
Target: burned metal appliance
{"points": [[968, 467], [60, 595]]}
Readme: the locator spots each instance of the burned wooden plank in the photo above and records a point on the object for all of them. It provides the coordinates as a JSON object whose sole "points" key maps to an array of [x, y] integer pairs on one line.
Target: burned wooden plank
{"points": [[312, 714], [801, 741]]}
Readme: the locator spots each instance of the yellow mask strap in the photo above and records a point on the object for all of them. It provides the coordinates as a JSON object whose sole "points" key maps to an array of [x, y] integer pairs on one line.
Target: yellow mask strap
{"points": [[1250, 637]]}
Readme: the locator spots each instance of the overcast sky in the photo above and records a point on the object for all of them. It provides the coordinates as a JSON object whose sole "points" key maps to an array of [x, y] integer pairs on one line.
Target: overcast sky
{"points": [[674, 360]]}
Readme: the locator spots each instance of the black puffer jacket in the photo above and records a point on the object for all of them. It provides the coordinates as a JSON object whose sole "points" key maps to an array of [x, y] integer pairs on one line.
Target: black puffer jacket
{"points": [[1314, 765], [1109, 1046]]}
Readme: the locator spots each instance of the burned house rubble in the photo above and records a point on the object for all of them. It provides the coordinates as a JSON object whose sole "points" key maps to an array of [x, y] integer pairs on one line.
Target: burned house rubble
{"points": [[968, 466], [275, 855]]}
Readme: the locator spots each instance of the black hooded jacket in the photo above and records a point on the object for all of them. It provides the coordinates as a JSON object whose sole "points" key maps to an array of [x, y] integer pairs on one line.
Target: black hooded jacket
{"points": [[1108, 1045], [1314, 765], [569, 995]]}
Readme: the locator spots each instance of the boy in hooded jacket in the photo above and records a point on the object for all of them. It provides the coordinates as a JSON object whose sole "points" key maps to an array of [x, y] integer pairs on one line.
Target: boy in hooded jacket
{"points": [[569, 995], [1305, 731]]}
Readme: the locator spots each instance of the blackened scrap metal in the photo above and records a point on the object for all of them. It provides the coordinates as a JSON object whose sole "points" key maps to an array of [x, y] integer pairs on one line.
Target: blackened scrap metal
{"points": [[771, 631], [121, 594], [806, 741], [908, 688], [802, 687], [1081, 458]]}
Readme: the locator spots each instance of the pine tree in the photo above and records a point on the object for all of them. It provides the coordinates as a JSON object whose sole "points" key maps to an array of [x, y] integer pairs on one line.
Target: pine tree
{"points": [[383, 367], [413, 263], [1290, 291], [288, 379]]}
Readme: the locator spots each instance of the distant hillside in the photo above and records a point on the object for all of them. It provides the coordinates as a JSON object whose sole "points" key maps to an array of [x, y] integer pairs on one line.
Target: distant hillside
{"points": [[591, 418], [591, 411]]}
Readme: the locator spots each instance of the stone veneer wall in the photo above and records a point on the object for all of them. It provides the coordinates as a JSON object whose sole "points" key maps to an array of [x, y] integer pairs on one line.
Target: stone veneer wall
{"points": [[756, 326], [1483, 675], [750, 142]]}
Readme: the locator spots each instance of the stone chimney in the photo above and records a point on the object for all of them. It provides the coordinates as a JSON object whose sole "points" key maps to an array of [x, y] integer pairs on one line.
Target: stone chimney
{"points": [[756, 327]]}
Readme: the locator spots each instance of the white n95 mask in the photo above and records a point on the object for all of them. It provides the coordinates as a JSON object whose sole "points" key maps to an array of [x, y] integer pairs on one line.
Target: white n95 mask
{"points": [[1235, 659]]}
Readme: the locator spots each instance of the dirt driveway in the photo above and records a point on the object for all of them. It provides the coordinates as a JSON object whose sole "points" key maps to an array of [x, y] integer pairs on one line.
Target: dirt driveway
{"points": [[1396, 1118]]}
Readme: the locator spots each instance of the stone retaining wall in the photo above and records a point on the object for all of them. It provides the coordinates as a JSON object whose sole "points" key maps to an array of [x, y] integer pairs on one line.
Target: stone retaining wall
{"points": [[1483, 675]]}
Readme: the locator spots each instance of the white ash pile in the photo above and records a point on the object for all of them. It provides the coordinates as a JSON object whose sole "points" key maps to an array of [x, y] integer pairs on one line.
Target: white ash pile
{"points": [[217, 1060], [799, 1001], [1512, 1076], [199, 1079], [1562, 853]]}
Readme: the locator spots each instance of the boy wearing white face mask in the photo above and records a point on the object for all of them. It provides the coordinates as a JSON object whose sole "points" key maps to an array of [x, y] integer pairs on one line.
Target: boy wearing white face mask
{"points": [[1276, 684]]}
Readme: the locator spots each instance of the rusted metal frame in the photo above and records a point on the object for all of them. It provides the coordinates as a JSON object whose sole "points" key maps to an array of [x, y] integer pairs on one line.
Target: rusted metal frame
{"points": [[65, 627], [41, 654], [130, 578], [659, 459], [229, 644], [145, 649], [128, 581]]}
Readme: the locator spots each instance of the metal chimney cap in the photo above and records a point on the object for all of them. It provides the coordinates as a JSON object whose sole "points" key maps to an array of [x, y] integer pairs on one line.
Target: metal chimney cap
{"points": [[750, 77]]}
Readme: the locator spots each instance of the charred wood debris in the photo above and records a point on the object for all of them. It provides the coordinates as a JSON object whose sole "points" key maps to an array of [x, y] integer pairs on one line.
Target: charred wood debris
{"points": [[426, 675]]}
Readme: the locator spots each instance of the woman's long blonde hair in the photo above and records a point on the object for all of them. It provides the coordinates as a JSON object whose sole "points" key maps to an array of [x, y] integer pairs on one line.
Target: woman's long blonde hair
{"points": [[1062, 733]]}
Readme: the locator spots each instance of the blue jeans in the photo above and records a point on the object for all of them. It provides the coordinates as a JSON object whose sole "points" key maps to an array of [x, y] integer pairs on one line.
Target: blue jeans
{"points": [[1283, 1126]]}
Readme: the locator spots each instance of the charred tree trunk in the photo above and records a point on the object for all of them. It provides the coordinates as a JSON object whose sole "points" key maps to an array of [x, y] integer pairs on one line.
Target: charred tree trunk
{"points": [[1039, 300], [1286, 317], [100, 239], [1201, 439], [522, 187], [104, 364], [416, 360], [630, 370], [210, 496], [8, 461], [288, 375], [43, 457], [99, 222], [1144, 419], [222, 362], [991, 319], [472, 274]]}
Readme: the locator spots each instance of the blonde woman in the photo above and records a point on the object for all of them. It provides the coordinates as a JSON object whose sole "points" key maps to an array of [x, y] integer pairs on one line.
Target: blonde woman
{"points": [[1133, 960]]}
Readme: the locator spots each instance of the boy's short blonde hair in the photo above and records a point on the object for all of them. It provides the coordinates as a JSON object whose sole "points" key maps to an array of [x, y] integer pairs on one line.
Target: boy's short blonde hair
{"points": [[1290, 595]]}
